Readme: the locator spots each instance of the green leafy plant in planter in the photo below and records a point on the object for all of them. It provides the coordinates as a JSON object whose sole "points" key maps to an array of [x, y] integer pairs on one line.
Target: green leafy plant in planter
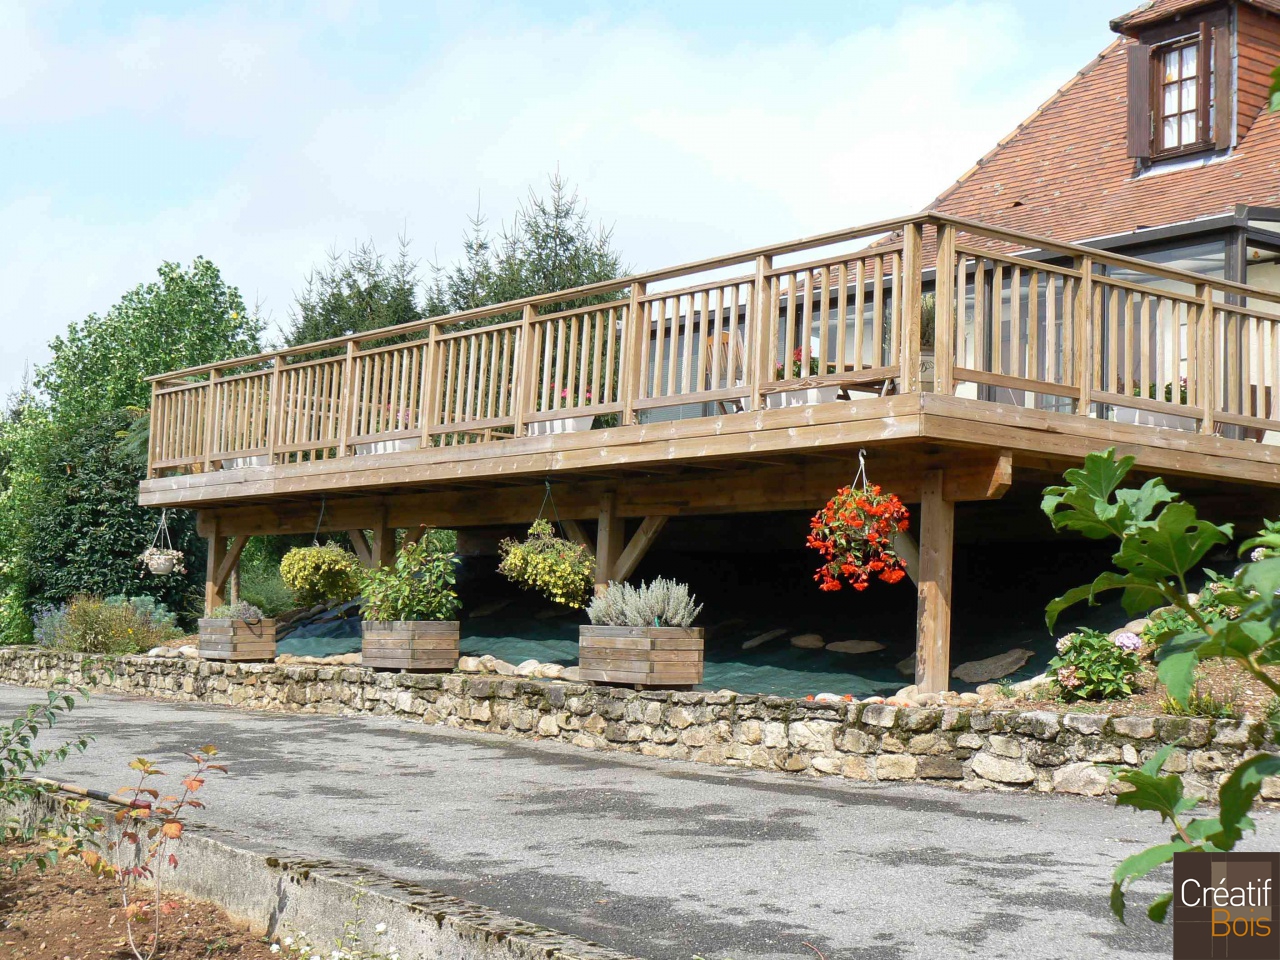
{"points": [[418, 586], [1090, 665], [562, 571], [1161, 542], [661, 603], [321, 574]]}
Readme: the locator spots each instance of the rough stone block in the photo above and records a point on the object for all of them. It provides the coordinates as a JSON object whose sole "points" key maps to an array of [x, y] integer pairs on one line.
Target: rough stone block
{"points": [[1002, 769]]}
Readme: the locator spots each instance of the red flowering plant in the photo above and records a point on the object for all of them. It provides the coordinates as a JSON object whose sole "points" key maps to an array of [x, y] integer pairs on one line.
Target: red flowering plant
{"points": [[854, 532]]}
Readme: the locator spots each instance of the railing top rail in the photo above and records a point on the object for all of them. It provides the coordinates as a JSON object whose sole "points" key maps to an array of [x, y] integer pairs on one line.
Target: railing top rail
{"points": [[591, 289]]}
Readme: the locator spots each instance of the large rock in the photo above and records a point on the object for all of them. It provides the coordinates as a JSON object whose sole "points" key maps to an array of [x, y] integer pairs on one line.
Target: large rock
{"points": [[861, 646], [190, 652], [1033, 687], [907, 666], [551, 671], [470, 665], [763, 638], [1002, 769], [992, 668], [571, 673], [527, 668], [1084, 779], [808, 641]]}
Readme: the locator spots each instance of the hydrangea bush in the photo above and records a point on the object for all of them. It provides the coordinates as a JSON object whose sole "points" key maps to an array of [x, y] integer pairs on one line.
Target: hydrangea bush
{"points": [[1092, 665]]}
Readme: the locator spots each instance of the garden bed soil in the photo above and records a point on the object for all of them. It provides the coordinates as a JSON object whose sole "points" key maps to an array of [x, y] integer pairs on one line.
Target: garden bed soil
{"points": [[1223, 680], [66, 912]]}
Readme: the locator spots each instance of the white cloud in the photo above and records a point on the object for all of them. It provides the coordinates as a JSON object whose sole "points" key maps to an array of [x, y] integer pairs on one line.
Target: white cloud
{"points": [[689, 145]]}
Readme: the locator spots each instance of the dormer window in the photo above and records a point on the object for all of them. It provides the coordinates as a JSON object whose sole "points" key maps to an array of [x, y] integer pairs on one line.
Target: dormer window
{"points": [[1180, 88], [1183, 108]]}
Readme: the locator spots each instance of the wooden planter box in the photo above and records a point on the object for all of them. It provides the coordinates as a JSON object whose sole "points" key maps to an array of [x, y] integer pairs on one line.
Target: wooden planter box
{"points": [[409, 644], [644, 656], [236, 639]]}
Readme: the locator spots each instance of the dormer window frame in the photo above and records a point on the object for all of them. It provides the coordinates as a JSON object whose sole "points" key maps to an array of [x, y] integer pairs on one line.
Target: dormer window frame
{"points": [[1210, 34]]}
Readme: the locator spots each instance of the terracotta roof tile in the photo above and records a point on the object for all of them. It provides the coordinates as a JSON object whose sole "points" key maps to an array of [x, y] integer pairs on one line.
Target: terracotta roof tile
{"points": [[1064, 172], [1156, 10]]}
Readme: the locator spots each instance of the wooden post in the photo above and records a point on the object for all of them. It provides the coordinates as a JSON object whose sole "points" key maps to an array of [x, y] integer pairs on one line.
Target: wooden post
{"points": [[909, 347], [275, 412], [1205, 386], [1084, 323], [633, 340], [933, 609], [760, 345], [215, 561], [346, 405], [609, 534], [383, 547], [525, 390], [211, 420], [944, 310]]}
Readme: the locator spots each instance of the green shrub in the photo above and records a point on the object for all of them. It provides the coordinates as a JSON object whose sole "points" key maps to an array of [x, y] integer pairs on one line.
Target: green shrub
{"points": [[419, 586], [662, 603], [562, 571], [325, 574], [1092, 666], [94, 625]]}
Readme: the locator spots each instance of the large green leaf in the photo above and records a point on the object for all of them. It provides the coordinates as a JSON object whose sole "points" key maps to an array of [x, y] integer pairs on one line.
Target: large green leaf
{"points": [[1237, 794], [1139, 865], [1177, 671], [1139, 595], [1087, 497], [1170, 546]]}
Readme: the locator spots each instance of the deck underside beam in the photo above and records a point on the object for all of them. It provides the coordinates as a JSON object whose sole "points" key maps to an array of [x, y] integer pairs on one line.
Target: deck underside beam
{"points": [[969, 475]]}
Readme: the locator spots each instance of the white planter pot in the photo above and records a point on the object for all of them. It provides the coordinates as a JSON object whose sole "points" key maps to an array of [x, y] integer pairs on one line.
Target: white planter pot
{"points": [[1147, 418], [541, 428], [239, 463], [387, 446], [804, 397], [161, 566]]}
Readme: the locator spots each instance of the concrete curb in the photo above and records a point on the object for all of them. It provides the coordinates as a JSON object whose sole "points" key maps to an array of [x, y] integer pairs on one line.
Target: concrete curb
{"points": [[278, 894]]}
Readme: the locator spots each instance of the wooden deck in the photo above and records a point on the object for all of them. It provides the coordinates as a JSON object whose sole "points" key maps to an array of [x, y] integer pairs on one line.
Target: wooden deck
{"points": [[737, 384]]}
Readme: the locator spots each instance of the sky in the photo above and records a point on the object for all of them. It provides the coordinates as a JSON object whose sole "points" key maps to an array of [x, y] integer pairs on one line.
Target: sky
{"points": [[264, 135]]}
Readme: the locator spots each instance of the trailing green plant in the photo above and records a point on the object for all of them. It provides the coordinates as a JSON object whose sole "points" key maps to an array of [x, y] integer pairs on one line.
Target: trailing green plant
{"points": [[418, 586], [20, 761], [240, 610], [1161, 542], [1091, 665], [562, 571], [326, 574], [660, 603]]}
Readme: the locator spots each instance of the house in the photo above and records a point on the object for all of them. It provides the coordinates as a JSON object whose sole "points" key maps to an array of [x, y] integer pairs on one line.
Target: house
{"points": [[1106, 276]]}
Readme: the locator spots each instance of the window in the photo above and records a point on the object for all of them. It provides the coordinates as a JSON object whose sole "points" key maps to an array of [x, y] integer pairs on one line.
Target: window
{"points": [[1183, 110], [1179, 89]]}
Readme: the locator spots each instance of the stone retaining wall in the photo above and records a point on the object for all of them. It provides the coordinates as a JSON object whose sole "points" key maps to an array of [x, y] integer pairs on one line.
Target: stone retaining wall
{"points": [[1039, 750]]}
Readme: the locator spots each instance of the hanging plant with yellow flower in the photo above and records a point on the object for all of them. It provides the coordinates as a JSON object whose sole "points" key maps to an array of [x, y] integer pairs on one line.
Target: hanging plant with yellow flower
{"points": [[562, 571]]}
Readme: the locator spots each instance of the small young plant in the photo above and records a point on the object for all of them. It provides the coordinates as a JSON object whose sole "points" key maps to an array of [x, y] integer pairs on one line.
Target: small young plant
{"points": [[661, 603], [1161, 542], [150, 832], [20, 760]]}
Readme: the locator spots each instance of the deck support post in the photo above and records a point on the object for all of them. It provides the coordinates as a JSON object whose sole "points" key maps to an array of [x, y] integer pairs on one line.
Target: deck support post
{"points": [[383, 547], [609, 536], [223, 559], [933, 610]]}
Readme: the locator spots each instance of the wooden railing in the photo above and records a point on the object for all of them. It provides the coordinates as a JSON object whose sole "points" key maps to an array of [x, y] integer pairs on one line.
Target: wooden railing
{"points": [[929, 302]]}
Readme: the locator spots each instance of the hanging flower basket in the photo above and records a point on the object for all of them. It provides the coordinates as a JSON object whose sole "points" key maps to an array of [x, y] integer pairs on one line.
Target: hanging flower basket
{"points": [[162, 561], [854, 533], [562, 571]]}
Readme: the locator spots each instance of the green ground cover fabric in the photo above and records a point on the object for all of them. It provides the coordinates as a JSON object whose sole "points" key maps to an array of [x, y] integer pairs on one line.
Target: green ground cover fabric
{"points": [[995, 610]]}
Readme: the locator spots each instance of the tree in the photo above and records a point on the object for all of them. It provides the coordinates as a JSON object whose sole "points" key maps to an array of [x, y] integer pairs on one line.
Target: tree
{"points": [[360, 290], [551, 245], [70, 462], [187, 318]]}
